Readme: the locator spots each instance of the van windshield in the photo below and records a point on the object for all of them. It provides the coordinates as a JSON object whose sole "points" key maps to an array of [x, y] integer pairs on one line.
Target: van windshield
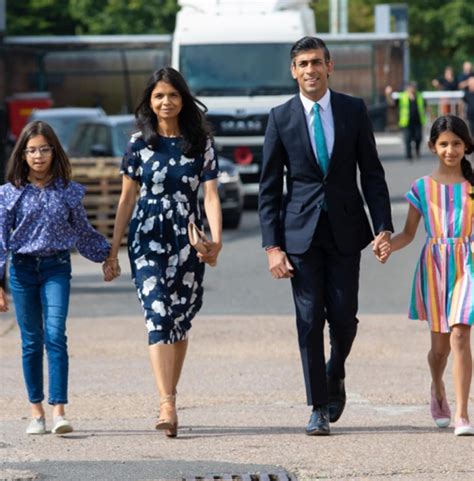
{"points": [[238, 69]]}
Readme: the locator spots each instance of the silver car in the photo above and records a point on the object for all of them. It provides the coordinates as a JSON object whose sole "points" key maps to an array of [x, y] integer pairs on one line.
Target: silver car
{"points": [[64, 120]]}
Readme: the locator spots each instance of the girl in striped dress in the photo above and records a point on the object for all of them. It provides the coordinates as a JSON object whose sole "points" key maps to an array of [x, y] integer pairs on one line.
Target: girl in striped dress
{"points": [[443, 286]]}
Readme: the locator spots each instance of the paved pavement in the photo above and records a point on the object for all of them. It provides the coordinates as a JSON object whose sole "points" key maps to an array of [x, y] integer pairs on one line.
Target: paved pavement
{"points": [[241, 408]]}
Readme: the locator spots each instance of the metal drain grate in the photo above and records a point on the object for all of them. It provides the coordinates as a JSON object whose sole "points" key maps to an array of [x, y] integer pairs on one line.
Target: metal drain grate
{"points": [[243, 477]]}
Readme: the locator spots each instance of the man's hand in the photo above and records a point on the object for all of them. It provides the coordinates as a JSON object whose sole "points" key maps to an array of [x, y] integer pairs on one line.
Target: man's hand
{"points": [[278, 264], [3, 300], [382, 247]]}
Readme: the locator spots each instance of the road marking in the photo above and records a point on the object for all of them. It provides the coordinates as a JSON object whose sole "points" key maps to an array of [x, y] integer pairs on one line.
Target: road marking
{"points": [[388, 140]]}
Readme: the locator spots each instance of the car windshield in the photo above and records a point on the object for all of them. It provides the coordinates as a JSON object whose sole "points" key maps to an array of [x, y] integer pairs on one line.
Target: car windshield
{"points": [[121, 135], [250, 69], [64, 128]]}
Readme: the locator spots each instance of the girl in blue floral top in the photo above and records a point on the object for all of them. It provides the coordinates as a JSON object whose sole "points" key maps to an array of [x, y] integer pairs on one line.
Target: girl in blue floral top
{"points": [[41, 219]]}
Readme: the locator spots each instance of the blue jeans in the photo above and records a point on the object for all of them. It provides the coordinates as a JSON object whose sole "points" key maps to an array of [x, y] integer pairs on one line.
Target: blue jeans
{"points": [[40, 288]]}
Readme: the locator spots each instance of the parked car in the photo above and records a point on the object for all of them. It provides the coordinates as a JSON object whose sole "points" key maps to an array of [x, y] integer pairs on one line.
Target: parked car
{"points": [[231, 193], [102, 137], [108, 137], [64, 120]]}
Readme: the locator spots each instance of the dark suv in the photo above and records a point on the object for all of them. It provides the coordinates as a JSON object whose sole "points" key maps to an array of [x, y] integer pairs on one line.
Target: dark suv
{"points": [[108, 137]]}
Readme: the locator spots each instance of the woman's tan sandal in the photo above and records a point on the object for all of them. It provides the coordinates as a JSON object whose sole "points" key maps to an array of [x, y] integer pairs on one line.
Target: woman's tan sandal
{"points": [[173, 432], [167, 423]]}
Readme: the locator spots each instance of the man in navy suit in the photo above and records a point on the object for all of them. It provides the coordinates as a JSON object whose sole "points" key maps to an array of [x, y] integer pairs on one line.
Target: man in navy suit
{"points": [[314, 235]]}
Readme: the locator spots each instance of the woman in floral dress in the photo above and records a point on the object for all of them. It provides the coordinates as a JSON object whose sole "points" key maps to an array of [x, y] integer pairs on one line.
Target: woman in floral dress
{"points": [[163, 167]]}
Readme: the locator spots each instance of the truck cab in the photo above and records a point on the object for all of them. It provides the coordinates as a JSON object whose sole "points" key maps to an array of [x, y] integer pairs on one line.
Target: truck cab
{"points": [[235, 56]]}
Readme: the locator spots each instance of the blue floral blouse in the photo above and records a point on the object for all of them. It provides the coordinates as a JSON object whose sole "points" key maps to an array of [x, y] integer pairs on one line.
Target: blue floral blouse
{"points": [[41, 221]]}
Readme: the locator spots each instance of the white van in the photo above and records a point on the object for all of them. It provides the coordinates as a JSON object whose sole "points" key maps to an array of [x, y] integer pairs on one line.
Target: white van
{"points": [[235, 56]]}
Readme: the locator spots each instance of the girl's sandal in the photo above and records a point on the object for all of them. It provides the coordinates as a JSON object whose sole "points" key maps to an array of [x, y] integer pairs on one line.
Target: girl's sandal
{"points": [[167, 424]]}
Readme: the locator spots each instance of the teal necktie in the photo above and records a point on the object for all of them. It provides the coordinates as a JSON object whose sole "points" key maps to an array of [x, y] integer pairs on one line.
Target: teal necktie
{"points": [[320, 140]]}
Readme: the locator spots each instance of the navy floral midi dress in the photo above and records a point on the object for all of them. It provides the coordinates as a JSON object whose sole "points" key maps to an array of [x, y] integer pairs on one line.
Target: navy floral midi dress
{"points": [[166, 271]]}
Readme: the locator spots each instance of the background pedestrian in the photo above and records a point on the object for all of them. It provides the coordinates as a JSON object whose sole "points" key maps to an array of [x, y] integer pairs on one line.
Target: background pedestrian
{"points": [[412, 116], [469, 102]]}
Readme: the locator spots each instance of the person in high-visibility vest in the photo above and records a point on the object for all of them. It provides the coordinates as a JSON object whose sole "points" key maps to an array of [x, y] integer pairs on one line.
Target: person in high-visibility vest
{"points": [[412, 116]]}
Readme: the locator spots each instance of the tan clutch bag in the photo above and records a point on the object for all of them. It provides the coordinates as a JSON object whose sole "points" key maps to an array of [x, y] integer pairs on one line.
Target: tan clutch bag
{"points": [[197, 238]]}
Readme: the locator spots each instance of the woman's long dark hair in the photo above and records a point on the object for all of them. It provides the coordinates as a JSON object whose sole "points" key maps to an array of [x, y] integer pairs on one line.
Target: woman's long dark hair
{"points": [[18, 169], [192, 123], [451, 123]]}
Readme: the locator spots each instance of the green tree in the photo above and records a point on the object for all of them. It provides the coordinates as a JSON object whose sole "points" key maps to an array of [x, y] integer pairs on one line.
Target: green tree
{"points": [[92, 17], [39, 17], [360, 15], [440, 32], [124, 16]]}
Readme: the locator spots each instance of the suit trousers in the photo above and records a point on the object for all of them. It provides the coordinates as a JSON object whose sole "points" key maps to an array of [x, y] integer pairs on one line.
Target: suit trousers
{"points": [[325, 287]]}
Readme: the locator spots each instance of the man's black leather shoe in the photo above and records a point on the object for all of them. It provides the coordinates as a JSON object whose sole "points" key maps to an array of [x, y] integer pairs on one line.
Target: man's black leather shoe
{"points": [[318, 422], [337, 398]]}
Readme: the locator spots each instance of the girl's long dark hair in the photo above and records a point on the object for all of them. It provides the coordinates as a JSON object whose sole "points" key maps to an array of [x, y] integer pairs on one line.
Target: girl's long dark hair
{"points": [[451, 123], [18, 169], [192, 123]]}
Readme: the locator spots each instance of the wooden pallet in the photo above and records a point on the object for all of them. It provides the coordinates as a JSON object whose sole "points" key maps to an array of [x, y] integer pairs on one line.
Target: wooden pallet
{"points": [[103, 183], [96, 166]]}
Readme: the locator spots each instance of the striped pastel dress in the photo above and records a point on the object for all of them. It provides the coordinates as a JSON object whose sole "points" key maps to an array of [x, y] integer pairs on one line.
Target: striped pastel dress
{"points": [[443, 287]]}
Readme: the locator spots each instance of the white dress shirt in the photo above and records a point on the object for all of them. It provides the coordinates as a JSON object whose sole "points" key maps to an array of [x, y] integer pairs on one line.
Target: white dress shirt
{"points": [[327, 119]]}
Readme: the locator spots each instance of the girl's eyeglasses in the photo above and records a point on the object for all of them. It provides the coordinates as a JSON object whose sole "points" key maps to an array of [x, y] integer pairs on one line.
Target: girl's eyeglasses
{"points": [[41, 150]]}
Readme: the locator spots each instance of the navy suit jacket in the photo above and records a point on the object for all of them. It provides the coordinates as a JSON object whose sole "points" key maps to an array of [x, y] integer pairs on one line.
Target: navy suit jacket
{"points": [[290, 222]]}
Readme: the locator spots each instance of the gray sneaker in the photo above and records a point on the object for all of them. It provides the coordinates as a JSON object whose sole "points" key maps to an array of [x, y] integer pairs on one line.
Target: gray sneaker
{"points": [[61, 425], [36, 426]]}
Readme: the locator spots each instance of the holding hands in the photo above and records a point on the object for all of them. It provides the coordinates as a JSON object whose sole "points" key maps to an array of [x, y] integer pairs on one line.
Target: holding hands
{"points": [[382, 246], [111, 269]]}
